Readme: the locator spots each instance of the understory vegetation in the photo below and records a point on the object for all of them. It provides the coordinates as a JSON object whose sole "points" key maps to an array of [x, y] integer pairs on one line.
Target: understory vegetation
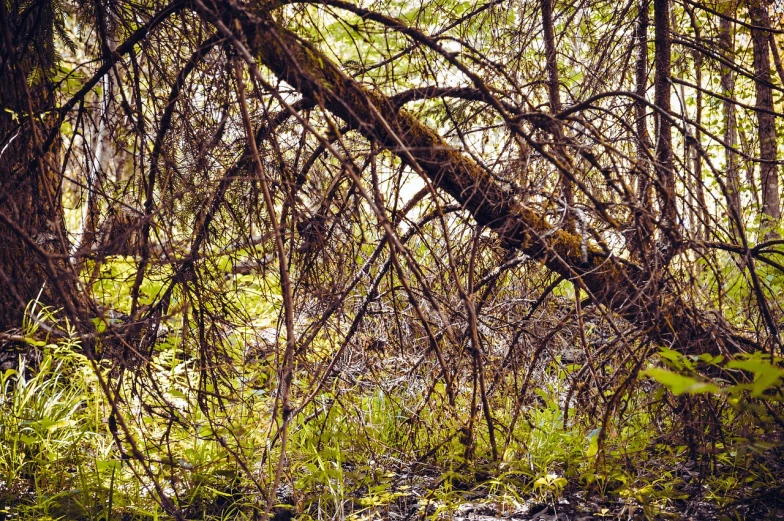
{"points": [[377, 437]]}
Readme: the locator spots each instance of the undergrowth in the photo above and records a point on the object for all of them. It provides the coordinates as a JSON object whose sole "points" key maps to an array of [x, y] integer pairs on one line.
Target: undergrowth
{"points": [[210, 445]]}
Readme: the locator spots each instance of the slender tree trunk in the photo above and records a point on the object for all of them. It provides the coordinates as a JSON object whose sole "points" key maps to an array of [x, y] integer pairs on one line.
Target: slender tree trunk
{"points": [[771, 205], [662, 61], [727, 48], [102, 152], [644, 145], [747, 147], [553, 87], [701, 214], [554, 95], [31, 218], [776, 58], [641, 239], [105, 168], [661, 81]]}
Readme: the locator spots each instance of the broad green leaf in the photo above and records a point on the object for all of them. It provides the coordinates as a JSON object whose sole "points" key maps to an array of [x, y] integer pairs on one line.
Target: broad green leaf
{"points": [[766, 375], [679, 384]]}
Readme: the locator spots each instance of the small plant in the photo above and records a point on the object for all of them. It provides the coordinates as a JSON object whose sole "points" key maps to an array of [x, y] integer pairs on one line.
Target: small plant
{"points": [[550, 486]]}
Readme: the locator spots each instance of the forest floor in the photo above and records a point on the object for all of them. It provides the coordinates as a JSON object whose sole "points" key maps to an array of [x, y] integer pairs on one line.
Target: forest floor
{"points": [[415, 499], [356, 456], [577, 506]]}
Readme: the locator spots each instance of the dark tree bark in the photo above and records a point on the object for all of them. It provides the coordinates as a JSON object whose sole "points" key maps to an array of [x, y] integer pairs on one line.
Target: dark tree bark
{"points": [[771, 205], [644, 145], [662, 90], [31, 218], [554, 95], [640, 242]]}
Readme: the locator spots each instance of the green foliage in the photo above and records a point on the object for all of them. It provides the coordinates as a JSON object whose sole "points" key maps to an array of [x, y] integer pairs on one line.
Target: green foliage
{"points": [[679, 384], [743, 379], [59, 456], [209, 437], [51, 446]]}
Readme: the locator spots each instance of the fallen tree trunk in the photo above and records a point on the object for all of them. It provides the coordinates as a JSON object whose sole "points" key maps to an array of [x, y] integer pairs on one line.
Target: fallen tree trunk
{"points": [[650, 303]]}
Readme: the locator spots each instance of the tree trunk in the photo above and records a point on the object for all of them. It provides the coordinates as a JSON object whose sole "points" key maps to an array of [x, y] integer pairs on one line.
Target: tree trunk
{"points": [[771, 206], [644, 145], [31, 217], [661, 82], [640, 241], [730, 125], [554, 95], [700, 215]]}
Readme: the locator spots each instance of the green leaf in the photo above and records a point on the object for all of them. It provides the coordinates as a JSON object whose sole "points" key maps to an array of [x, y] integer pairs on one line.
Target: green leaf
{"points": [[710, 359], [674, 359], [107, 464], [178, 394], [61, 424], [679, 384], [100, 325], [766, 375]]}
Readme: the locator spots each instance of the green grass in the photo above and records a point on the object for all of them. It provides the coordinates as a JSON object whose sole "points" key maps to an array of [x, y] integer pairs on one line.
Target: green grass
{"points": [[209, 441]]}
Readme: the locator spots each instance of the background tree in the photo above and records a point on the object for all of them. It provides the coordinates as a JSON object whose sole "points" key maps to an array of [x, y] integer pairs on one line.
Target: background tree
{"points": [[771, 205], [32, 231]]}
